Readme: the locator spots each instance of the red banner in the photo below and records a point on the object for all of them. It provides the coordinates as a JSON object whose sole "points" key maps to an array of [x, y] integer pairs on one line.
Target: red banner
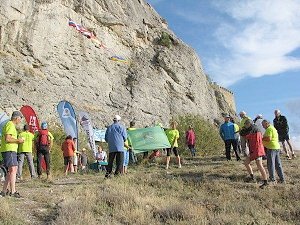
{"points": [[30, 118]]}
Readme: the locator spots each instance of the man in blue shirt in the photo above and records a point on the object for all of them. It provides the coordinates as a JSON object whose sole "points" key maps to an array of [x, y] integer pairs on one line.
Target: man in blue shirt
{"points": [[115, 136], [227, 134]]}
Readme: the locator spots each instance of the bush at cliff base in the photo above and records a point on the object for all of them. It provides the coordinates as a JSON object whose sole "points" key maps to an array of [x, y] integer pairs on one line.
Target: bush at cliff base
{"points": [[208, 141]]}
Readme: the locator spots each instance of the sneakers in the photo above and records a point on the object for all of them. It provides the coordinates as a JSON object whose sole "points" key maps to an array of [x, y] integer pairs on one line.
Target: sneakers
{"points": [[288, 157], [15, 195], [264, 184]]}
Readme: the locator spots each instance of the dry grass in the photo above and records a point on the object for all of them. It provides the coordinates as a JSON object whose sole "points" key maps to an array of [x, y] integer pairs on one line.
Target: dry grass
{"points": [[205, 191]]}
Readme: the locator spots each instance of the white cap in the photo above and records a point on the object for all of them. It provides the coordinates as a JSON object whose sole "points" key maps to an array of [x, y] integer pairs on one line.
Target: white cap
{"points": [[259, 116], [242, 113], [117, 118]]}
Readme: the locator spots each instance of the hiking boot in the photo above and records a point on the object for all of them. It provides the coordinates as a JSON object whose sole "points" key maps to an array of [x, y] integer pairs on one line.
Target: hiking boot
{"points": [[288, 157], [15, 195]]}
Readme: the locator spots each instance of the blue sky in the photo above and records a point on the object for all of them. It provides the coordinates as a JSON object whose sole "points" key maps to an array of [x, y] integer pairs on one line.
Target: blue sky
{"points": [[251, 47]]}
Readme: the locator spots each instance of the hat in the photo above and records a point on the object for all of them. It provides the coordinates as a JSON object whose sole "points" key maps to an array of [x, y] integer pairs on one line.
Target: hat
{"points": [[117, 118], [16, 114], [83, 149], [227, 116], [259, 116], [242, 113]]}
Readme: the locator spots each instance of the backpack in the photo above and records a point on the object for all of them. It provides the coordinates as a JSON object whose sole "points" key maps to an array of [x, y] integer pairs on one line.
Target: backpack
{"points": [[43, 139]]}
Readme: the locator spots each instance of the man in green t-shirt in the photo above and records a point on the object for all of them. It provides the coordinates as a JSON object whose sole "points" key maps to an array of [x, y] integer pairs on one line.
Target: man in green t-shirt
{"points": [[173, 136], [270, 142], [9, 148], [25, 150]]}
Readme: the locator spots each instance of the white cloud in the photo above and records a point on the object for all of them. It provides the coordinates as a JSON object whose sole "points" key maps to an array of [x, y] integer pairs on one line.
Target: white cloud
{"points": [[259, 40]]}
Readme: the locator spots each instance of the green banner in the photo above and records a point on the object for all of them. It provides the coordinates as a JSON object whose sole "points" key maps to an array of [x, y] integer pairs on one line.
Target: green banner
{"points": [[148, 139]]}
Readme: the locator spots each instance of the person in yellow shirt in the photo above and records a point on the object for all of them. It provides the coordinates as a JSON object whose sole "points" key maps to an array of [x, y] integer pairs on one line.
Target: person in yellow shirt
{"points": [[25, 150], [271, 143], [9, 148], [173, 136]]}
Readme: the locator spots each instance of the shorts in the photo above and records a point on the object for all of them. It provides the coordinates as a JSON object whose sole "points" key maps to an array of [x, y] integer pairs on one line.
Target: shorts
{"points": [[67, 160], [126, 158], [75, 160], [259, 158], [10, 159], [175, 151], [284, 137]]}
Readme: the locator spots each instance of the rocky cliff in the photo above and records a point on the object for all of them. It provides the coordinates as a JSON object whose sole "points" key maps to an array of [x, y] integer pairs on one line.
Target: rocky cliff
{"points": [[43, 61]]}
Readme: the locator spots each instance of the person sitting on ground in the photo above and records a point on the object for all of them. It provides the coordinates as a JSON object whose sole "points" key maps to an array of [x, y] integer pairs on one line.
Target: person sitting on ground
{"points": [[227, 133], [190, 140], [25, 150], [173, 136], [256, 151], [101, 158], [68, 149], [281, 124]]}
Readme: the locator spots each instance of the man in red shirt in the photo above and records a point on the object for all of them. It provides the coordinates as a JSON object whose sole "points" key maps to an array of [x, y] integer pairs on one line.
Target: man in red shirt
{"points": [[68, 149]]}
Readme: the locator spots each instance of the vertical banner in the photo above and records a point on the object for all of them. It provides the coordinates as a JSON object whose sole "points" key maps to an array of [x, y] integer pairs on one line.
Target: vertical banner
{"points": [[3, 120], [68, 119], [31, 118], [86, 124]]}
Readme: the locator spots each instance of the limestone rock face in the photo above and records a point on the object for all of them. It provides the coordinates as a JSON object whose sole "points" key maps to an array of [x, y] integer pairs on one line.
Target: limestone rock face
{"points": [[43, 61]]}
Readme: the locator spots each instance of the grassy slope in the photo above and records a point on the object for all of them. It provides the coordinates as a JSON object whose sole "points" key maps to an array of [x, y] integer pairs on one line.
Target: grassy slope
{"points": [[205, 191]]}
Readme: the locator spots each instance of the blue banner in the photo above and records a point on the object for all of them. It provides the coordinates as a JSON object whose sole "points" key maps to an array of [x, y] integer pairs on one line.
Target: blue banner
{"points": [[99, 135], [68, 119], [3, 120]]}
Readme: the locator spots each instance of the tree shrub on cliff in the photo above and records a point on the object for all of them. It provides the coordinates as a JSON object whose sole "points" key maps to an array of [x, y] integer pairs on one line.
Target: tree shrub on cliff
{"points": [[208, 141], [165, 40]]}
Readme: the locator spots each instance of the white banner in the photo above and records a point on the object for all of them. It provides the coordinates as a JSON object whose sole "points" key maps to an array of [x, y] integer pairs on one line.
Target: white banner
{"points": [[86, 124]]}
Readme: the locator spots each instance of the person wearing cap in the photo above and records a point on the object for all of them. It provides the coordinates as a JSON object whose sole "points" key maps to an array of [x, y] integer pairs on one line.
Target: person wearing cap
{"points": [[270, 141], [115, 136], [25, 150], [9, 148], [43, 144], [244, 145], [227, 133], [281, 124]]}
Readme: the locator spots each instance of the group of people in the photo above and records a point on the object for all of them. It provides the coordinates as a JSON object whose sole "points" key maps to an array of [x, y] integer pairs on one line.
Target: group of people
{"points": [[257, 140], [15, 147]]}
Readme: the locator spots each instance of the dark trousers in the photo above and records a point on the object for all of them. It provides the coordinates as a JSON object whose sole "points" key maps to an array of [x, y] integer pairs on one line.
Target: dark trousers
{"points": [[228, 144], [43, 152], [119, 162]]}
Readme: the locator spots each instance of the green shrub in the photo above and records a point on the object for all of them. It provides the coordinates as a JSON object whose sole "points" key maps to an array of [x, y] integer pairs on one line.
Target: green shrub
{"points": [[165, 40], [208, 141]]}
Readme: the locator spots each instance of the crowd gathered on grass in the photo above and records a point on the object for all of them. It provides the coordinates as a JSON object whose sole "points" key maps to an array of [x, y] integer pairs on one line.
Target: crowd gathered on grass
{"points": [[251, 140]]}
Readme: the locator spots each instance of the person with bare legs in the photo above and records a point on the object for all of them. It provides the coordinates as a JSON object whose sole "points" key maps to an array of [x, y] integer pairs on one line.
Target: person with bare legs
{"points": [[68, 149], [9, 148], [173, 136], [256, 151]]}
